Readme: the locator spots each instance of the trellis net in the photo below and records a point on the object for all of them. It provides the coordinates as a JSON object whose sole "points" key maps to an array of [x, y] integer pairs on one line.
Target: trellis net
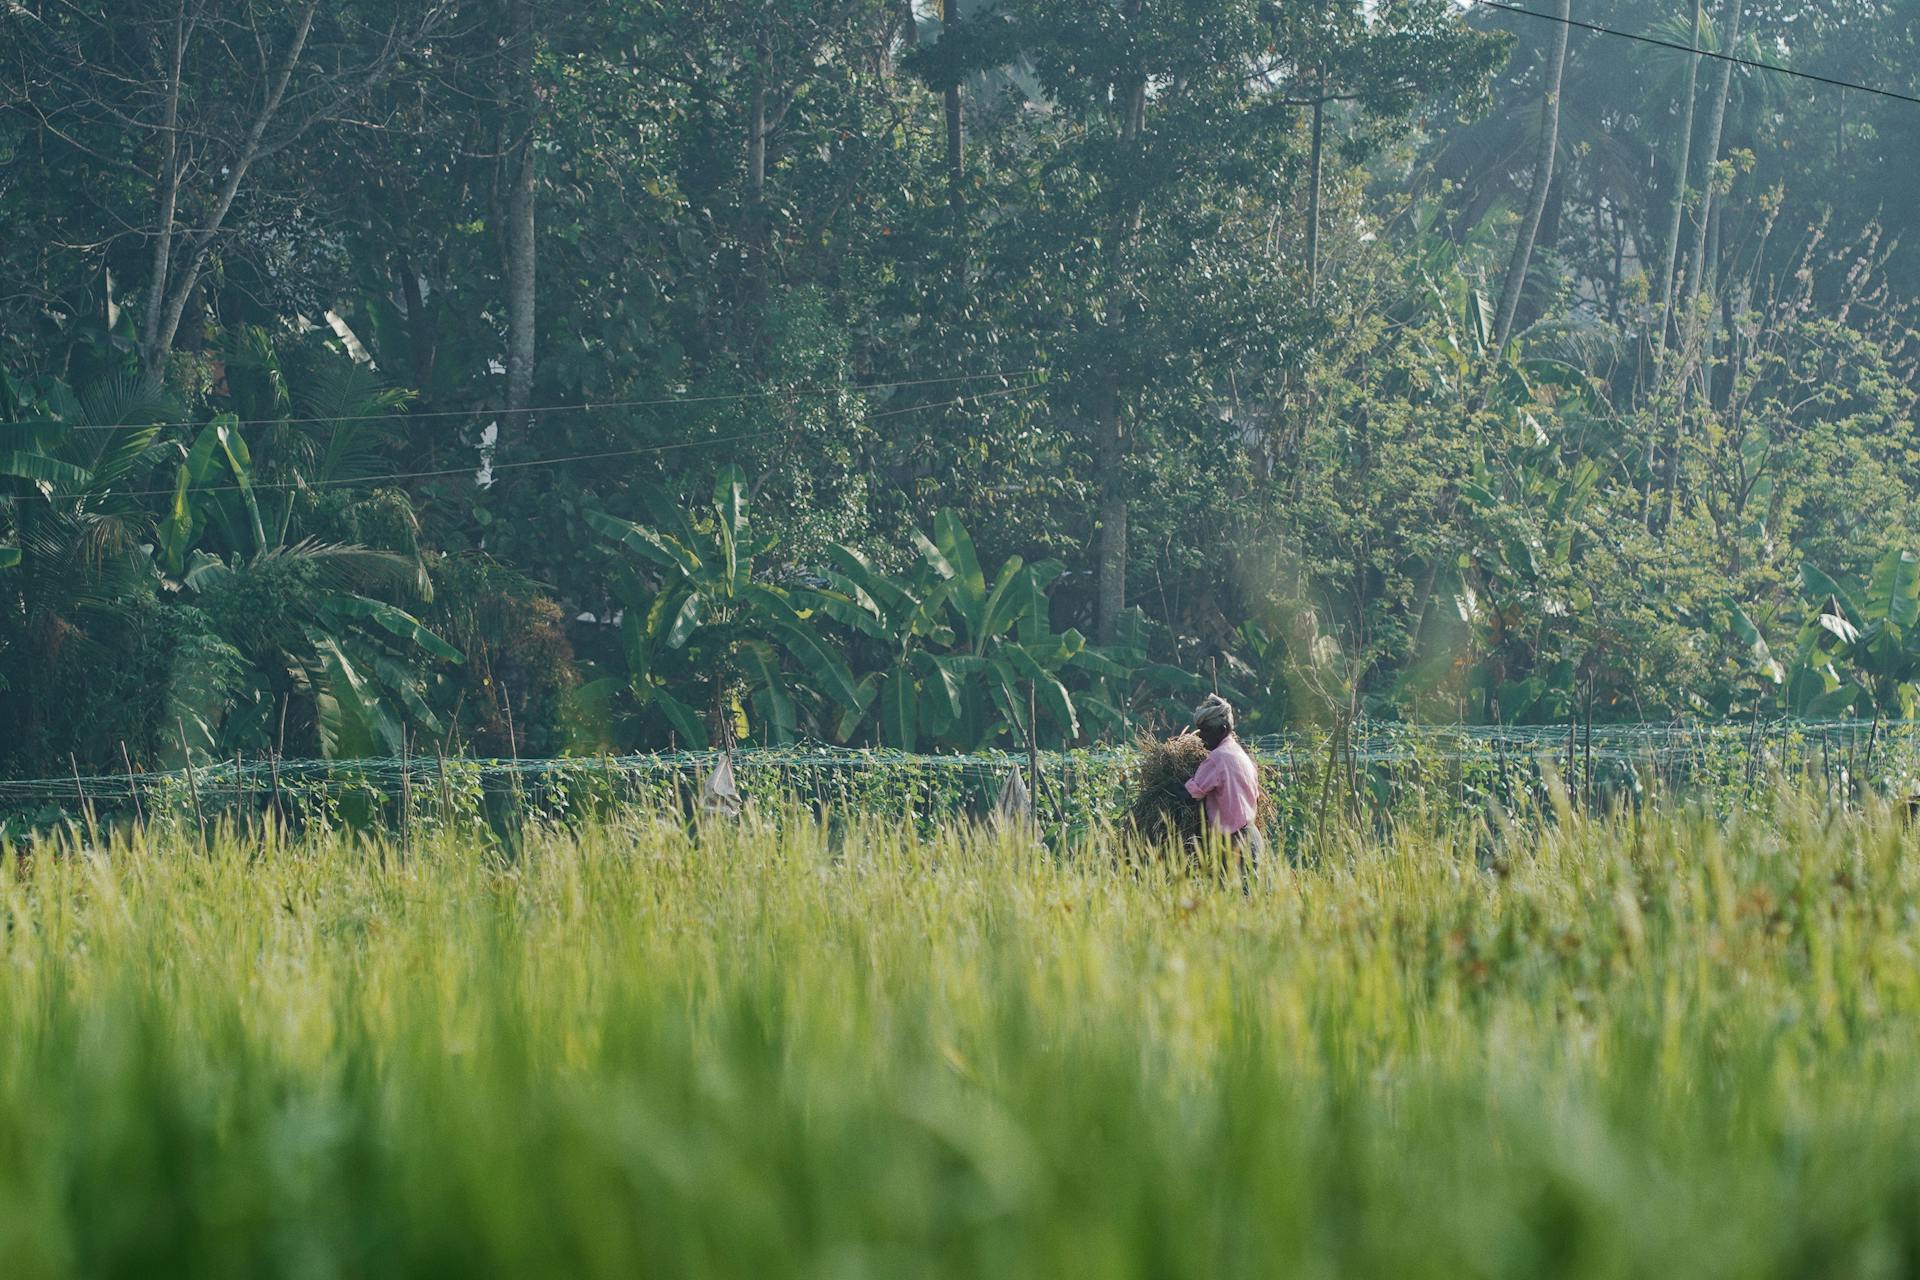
{"points": [[1367, 767]]}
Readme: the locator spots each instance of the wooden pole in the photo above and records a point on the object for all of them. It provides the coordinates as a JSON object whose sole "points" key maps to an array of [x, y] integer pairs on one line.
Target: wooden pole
{"points": [[1326, 785], [1589, 744], [133, 787], [86, 805], [1573, 761], [193, 782], [513, 749], [406, 796], [279, 805], [1033, 751]]}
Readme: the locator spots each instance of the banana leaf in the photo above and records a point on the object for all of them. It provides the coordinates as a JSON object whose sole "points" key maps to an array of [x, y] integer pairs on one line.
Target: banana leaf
{"points": [[393, 620]]}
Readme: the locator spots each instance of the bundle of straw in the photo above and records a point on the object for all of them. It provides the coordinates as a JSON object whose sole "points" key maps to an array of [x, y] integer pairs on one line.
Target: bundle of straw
{"points": [[1162, 813]]}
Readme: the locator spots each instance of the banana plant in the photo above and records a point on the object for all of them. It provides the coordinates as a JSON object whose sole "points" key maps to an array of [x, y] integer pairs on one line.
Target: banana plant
{"points": [[917, 687], [1006, 647], [1859, 650], [1517, 590], [697, 616], [1124, 691], [959, 660]]}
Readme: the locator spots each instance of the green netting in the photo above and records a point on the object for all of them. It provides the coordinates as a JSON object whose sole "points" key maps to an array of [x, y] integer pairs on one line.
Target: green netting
{"points": [[1369, 768]]}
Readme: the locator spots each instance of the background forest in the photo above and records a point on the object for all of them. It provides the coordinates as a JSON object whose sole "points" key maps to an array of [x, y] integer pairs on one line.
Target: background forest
{"points": [[537, 376]]}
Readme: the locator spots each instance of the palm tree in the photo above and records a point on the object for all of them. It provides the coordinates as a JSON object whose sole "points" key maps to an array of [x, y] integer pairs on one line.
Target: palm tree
{"points": [[75, 558]]}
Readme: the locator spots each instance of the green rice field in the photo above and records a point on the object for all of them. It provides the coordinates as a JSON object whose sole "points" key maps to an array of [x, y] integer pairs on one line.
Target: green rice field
{"points": [[1631, 1046]]}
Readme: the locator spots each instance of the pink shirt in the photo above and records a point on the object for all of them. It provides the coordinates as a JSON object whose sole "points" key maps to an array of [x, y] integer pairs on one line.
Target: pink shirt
{"points": [[1229, 783]]}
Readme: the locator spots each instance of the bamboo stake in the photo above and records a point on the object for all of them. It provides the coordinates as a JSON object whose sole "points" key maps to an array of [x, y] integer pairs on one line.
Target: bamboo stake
{"points": [[406, 796], [1589, 760], [1326, 786], [1573, 761], [133, 786], [193, 782], [1033, 753], [86, 805], [279, 805], [513, 749]]}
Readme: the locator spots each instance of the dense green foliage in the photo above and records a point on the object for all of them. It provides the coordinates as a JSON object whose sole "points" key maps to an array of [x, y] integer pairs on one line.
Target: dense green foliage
{"points": [[1623, 1049], [362, 367]]}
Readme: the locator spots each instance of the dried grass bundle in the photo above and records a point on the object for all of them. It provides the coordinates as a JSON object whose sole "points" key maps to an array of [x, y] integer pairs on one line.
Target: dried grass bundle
{"points": [[1162, 812]]}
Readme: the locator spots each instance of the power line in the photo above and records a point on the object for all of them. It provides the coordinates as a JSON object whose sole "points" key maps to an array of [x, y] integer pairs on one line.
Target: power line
{"points": [[1704, 53], [473, 468], [583, 406]]}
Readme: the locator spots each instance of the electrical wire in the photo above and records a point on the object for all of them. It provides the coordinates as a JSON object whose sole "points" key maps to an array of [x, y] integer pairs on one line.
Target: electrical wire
{"points": [[1704, 53], [584, 406], [514, 465]]}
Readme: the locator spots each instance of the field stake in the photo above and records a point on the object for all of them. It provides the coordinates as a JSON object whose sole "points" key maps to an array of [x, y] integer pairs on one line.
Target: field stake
{"points": [[406, 797], [1033, 749], [1573, 761], [279, 806], [1589, 760], [193, 782], [86, 805], [513, 749], [1326, 786], [133, 786]]}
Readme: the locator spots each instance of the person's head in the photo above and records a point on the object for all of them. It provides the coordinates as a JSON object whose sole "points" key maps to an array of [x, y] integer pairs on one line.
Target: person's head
{"points": [[1213, 720]]}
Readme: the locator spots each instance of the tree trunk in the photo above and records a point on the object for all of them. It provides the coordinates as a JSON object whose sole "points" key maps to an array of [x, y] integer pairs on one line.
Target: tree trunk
{"points": [[520, 220], [956, 154], [422, 333], [758, 229], [1111, 460], [152, 358], [1617, 235], [1723, 300], [1110, 423], [1542, 182], [1697, 277], [1715, 128], [1313, 200], [1680, 173], [157, 343]]}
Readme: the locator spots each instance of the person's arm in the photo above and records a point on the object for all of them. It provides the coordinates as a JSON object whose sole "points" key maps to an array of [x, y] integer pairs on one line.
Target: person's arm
{"points": [[1205, 780]]}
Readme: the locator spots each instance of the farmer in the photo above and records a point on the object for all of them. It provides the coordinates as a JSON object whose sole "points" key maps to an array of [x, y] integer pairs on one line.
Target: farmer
{"points": [[1227, 783]]}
